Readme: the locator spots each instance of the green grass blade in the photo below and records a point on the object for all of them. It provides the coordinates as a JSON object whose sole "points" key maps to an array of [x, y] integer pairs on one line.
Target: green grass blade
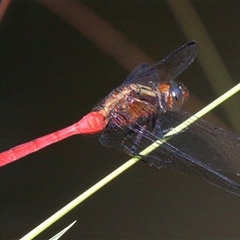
{"points": [[58, 235]]}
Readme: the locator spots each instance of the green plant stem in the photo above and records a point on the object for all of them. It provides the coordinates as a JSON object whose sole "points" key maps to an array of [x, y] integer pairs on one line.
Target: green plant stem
{"points": [[126, 165]]}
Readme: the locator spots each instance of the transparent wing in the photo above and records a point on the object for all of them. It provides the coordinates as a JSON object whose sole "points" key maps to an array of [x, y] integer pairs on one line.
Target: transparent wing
{"points": [[172, 158], [175, 63], [213, 146], [166, 69], [201, 150], [138, 71], [142, 75]]}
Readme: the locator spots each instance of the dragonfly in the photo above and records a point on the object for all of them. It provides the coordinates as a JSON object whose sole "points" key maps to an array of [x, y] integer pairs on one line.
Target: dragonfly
{"points": [[143, 110]]}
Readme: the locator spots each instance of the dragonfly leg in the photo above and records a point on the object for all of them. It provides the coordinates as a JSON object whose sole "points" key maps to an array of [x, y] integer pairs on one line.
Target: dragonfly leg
{"points": [[137, 134], [159, 132], [157, 129], [140, 134], [132, 139], [133, 142]]}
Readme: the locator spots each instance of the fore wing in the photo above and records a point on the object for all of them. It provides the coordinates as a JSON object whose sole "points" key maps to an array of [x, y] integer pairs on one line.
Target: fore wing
{"points": [[166, 69]]}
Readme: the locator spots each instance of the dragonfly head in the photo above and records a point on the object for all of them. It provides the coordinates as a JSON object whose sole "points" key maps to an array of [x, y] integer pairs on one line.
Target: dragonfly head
{"points": [[173, 95]]}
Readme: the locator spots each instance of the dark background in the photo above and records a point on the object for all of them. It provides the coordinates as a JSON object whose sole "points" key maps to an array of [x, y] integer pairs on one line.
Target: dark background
{"points": [[52, 74]]}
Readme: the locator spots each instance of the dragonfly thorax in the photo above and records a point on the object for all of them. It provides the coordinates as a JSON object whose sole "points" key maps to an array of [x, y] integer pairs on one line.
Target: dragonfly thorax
{"points": [[129, 103]]}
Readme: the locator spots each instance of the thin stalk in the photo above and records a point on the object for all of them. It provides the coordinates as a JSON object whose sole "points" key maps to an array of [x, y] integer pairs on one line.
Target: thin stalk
{"points": [[127, 165]]}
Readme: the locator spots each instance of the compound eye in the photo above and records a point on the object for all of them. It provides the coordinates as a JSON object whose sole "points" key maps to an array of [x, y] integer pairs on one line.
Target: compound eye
{"points": [[179, 95]]}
